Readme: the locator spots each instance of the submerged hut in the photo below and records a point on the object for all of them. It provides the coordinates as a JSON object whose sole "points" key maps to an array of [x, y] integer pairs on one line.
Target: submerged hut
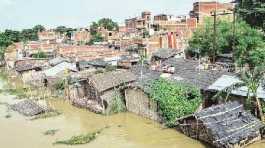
{"points": [[97, 92], [223, 126], [58, 72], [238, 94], [137, 95]]}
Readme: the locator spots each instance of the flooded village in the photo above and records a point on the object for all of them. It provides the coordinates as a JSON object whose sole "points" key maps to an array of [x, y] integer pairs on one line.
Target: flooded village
{"points": [[157, 81]]}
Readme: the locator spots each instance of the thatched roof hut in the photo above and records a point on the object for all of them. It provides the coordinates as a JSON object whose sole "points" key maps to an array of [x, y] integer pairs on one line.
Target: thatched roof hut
{"points": [[225, 126], [100, 89]]}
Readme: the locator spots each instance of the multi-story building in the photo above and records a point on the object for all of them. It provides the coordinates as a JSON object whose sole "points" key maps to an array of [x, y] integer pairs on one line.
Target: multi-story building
{"points": [[81, 36], [201, 10], [138, 23]]}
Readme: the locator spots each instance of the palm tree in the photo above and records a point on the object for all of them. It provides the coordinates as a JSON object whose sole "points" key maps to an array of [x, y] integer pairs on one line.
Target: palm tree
{"points": [[251, 79]]}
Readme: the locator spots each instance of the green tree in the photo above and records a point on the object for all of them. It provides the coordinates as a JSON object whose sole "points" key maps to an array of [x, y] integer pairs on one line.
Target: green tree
{"points": [[29, 35], [203, 39], [61, 29], [251, 79], [247, 43], [38, 28], [40, 54], [4, 40], [13, 36], [94, 28], [108, 24], [253, 12], [95, 38], [249, 46]]}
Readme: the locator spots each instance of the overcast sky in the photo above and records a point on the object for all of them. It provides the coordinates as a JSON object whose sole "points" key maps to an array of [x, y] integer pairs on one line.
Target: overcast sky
{"points": [[18, 14]]}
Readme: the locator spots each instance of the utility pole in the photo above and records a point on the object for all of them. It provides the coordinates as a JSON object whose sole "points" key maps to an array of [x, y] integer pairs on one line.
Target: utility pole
{"points": [[215, 36], [215, 14]]}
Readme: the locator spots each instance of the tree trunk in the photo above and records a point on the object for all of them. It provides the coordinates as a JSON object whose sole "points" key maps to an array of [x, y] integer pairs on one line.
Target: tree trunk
{"points": [[259, 109]]}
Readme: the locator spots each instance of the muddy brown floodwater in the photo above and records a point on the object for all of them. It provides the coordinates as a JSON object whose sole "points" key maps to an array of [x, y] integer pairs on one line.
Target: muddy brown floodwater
{"points": [[125, 130]]}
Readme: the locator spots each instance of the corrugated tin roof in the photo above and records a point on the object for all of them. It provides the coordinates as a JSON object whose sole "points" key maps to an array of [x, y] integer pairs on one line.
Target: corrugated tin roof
{"points": [[225, 81], [52, 72], [57, 61]]}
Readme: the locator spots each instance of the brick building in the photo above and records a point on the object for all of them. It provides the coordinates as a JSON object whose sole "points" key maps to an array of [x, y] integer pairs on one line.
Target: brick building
{"points": [[88, 53], [138, 23], [81, 36], [204, 9]]}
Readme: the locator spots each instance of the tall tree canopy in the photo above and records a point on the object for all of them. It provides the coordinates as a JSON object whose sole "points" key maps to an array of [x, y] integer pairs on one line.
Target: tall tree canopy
{"points": [[248, 49], [39, 28], [253, 12], [108, 24], [105, 23], [61, 29]]}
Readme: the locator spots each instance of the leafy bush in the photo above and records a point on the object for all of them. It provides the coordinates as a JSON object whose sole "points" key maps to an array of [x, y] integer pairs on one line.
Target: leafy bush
{"points": [[80, 139], [40, 54], [60, 85], [117, 105], [175, 99]]}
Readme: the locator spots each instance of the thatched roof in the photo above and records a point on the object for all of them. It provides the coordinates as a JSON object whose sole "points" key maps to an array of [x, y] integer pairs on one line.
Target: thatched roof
{"points": [[28, 108], [229, 123], [109, 80], [27, 67]]}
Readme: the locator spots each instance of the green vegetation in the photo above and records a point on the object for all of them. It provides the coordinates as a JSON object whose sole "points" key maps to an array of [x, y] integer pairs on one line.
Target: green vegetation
{"points": [[253, 12], [105, 23], [252, 80], [117, 105], [247, 43], [60, 84], [51, 132], [80, 139], [10, 36], [40, 55], [175, 99], [19, 92], [95, 38]]}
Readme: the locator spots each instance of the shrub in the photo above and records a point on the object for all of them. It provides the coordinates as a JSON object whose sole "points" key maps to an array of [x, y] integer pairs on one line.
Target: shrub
{"points": [[117, 105], [60, 85], [80, 139], [175, 99], [40, 54]]}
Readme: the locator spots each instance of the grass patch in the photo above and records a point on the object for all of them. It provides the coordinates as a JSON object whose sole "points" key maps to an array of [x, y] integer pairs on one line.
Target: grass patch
{"points": [[117, 105], [80, 139], [51, 132], [46, 115], [19, 92]]}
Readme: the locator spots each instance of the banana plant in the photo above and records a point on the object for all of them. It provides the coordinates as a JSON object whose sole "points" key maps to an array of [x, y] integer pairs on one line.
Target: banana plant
{"points": [[252, 80]]}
